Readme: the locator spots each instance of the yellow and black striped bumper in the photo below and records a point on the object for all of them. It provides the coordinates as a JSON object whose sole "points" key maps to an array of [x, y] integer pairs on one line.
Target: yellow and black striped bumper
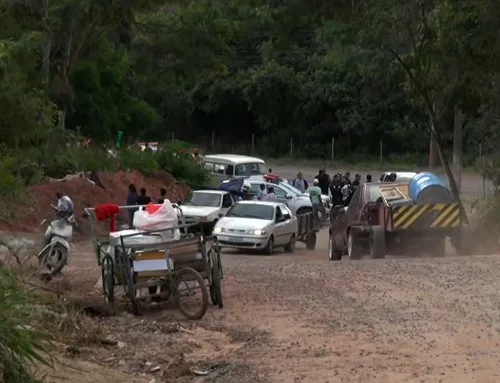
{"points": [[429, 216]]}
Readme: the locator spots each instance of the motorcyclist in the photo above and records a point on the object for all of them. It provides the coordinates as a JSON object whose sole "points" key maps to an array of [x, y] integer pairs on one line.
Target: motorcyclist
{"points": [[246, 191], [64, 206]]}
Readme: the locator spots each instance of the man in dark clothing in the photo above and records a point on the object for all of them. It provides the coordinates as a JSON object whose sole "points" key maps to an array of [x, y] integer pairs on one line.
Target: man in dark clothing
{"points": [[368, 178], [347, 178], [143, 199], [324, 181], [163, 195], [357, 180], [336, 190]]}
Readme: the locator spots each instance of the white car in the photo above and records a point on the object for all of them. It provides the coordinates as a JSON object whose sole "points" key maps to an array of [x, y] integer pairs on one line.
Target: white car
{"points": [[298, 202], [257, 225], [206, 207]]}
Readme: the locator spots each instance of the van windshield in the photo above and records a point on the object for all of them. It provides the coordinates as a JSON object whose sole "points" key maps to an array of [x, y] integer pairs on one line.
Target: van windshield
{"points": [[250, 169]]}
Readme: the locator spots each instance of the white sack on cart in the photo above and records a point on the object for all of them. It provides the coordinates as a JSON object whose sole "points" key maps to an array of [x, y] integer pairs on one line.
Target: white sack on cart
{"points": [[165, 217]]}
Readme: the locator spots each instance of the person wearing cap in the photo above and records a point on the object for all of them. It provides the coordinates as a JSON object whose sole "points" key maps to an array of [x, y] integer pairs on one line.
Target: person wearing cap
{"points": [[317, 203]]}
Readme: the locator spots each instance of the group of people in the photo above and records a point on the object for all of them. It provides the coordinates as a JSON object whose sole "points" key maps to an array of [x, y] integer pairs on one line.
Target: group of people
{"points": [[141, 199], [340, 186], [264, 193]]}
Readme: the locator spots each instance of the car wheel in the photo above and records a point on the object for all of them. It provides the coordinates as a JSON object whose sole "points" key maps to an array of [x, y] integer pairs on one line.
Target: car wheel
{"points": [[354, 249], [377, 242], [270, 246], [290, 247], [334, 253]]}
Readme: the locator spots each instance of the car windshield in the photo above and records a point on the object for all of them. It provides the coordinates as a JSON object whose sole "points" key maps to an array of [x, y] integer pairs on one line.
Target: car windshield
{"points": [[250, 169], [253, 210], [291, 188], [204, 199]]}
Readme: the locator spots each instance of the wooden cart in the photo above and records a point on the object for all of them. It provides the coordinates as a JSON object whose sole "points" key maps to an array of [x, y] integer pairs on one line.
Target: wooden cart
{"points": [[168, 268]]}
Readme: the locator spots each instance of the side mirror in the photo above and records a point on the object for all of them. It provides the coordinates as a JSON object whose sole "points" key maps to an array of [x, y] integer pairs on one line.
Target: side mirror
{"points": [[289, 196]]}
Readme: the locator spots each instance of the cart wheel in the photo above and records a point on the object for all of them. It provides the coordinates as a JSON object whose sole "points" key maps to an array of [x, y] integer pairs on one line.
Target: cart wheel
{"points": [[108, 279], [311, 240], [131, 291], [215, 288], [188, 282]]}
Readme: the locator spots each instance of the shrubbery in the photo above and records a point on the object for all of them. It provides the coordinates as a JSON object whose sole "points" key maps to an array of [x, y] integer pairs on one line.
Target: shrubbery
{"points": [[21, 345], [24, 168]]}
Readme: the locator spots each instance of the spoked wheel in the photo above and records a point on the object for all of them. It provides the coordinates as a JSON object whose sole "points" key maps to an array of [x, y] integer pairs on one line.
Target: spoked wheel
{"points": [[108, 279], [216, 273], [130, 288], [191, 295], [54, 259]]}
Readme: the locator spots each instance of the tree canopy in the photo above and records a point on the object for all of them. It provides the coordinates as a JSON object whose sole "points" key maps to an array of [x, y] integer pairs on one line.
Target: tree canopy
{"points": [[357, 71]]}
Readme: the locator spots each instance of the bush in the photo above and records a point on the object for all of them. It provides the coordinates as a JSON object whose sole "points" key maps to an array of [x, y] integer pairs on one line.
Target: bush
{"points": [[183, 167], [20, 345], [136, 160]]}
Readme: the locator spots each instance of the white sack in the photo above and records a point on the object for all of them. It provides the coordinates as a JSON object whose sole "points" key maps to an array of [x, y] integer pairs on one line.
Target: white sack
{"points": [[164, 218]]}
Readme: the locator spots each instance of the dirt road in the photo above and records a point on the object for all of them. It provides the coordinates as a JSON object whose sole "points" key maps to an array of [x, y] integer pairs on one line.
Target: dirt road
{"points": [[301, 318]]}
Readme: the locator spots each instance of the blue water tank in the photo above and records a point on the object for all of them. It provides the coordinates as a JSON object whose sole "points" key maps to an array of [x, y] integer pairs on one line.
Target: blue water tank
{"points": [[428, 188]]}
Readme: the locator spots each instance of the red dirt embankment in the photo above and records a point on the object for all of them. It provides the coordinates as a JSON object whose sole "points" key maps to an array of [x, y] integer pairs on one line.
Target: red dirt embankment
{"points": [[85, 194]]}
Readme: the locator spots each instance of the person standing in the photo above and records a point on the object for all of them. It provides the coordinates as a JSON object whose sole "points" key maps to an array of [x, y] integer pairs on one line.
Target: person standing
{"points": [[336, 190], [317, 203], [131, 201], [300, 183], [271, 195], [163, 195], [261, 195], [368, 178], [143, 198]]}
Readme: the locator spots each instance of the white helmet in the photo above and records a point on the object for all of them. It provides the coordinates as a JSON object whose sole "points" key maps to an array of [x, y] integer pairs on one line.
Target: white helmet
{"points": [[246, 186], [315, 181]]}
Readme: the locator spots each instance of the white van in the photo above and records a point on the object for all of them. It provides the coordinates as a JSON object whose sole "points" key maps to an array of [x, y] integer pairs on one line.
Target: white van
{"points": [[227, 166]]}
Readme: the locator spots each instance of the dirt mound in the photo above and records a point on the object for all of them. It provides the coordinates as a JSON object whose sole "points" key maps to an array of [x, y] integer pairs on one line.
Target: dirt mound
{"points": [[86, 194]]}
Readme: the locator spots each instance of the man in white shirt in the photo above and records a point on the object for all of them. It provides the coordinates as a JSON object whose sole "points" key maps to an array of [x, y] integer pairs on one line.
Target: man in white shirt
{"points": [[271, 195]]}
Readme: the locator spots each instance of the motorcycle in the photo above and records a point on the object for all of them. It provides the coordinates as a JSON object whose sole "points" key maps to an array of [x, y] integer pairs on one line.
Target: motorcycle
{"points": [[54, 254]]}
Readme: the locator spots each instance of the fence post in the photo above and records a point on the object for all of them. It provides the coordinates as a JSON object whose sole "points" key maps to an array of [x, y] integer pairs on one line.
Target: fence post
{"points": [[483, 164], [253, 142], [173, 136], [333, 149], [381, 151], [213, 139], [291, 147]]}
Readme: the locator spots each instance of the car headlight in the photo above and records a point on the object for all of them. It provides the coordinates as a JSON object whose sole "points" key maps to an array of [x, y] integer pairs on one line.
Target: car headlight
{"points": [[259, 232], [218, 230]]}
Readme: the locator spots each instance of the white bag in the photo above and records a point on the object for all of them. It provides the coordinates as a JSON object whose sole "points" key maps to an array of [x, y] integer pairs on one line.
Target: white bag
{"points": [[163, 218]]}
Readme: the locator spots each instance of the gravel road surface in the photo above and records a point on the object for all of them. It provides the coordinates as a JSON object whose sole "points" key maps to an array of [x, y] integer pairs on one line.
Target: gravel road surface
{"points": [[301, 318]]}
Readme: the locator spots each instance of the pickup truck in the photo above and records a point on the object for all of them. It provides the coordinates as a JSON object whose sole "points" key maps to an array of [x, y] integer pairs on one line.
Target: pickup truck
{"points": [[205, 207]]}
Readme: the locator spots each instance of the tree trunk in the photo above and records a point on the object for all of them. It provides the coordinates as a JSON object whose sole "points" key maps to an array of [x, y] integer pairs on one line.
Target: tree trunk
{"points": [[433, 153], [46, 60], [457, 147]]}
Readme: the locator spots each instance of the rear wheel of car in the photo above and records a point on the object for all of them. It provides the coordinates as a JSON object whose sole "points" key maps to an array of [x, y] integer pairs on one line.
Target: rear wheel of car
{"points": [[377, 242], [311, 240], [270, 246], [354, 248], [334, 253], [290, 247]]}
